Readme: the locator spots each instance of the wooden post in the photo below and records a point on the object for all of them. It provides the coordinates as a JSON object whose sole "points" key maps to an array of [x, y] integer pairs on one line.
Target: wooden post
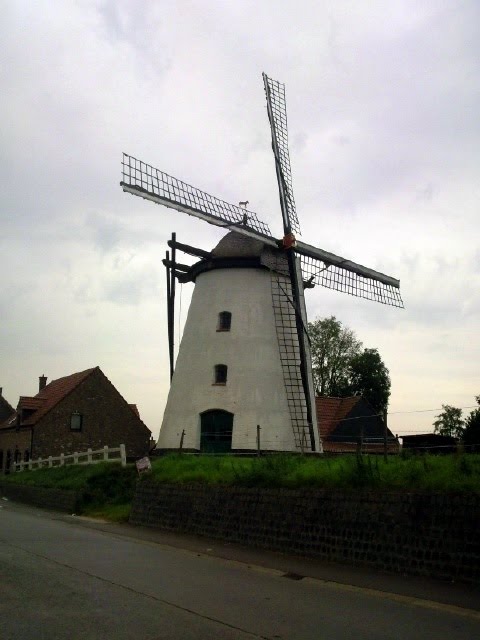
{"points": [[50, 462], [259, 452], [30, 464], [385, 436], [75, 457], [105, 453], [89, 456], [62, 459], [123, 455]]}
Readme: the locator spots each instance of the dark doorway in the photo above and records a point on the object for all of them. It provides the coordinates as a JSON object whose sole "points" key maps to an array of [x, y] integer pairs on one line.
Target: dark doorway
{"points": [[216, 431]]}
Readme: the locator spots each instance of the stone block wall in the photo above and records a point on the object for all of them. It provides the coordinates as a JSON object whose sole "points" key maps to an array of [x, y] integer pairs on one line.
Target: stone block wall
{"points": [[435, 535], [55, 499]]}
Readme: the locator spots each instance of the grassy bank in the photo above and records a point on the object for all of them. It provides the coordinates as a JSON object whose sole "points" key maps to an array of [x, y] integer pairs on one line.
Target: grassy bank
{"points": [[108, 489], [430, 473]]}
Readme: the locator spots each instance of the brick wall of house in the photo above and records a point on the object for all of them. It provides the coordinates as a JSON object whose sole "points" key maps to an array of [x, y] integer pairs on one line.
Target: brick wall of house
{"points": [[12, 440], [107, 419]]}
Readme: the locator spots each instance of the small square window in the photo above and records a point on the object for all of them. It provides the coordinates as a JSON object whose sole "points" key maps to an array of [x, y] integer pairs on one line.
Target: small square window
{"points": [[76, 421]]}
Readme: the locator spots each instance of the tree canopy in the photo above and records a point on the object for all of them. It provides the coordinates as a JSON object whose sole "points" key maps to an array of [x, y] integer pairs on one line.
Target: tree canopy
{"points": [[342, 368], [471, 433], [333, 346], [449, 422], [370, 378]]}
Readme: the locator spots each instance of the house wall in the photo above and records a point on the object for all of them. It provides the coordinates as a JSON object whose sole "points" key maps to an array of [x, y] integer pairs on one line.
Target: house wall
{"points": [[107, 420], [12, 440]]}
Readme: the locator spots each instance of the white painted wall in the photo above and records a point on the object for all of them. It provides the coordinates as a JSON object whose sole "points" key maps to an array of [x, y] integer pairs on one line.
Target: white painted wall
{"points": [[255, 390]]}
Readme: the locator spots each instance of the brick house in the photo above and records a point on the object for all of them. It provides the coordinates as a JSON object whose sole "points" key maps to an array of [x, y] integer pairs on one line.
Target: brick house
{"points": [[6, 409], [74, 413], [350, 425]]}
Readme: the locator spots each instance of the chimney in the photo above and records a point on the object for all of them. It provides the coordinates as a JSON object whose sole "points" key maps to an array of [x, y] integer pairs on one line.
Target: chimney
{"points": [[42, 382]]}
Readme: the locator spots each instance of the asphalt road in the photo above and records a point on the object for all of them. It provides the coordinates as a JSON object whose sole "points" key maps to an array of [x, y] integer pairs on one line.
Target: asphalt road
{"points": [[62, 577]]}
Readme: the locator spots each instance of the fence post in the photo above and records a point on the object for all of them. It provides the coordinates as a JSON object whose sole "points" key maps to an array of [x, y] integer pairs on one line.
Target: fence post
{"points": [[123, 455], [62, 459], [89, 456], [258, 440], [105, 452], [50, 462], [385, 436], [30, 464], [21, 465], [75, 457], [303, 441]]}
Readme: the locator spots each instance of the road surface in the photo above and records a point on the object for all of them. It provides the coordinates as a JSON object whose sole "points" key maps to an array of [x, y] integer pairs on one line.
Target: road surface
{"points": [[62, 577]]}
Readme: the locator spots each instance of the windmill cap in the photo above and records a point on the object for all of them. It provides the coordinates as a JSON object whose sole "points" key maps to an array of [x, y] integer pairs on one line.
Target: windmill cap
{"points": [[236, 245]]}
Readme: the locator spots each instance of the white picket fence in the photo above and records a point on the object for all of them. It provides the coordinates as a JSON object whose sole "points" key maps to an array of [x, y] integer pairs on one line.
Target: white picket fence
{"points": [[107, 454]]}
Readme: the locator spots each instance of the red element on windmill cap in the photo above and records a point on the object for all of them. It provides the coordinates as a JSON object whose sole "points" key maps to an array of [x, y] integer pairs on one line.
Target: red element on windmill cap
{"points": [[289, 241]]}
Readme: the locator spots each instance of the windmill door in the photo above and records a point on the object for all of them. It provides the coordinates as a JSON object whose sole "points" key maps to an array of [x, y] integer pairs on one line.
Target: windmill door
{"points": [[216, 431]]}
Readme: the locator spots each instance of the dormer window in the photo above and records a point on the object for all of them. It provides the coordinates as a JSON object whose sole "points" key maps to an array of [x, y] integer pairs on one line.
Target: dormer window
{"points": [[224, 321], [221, 374]]}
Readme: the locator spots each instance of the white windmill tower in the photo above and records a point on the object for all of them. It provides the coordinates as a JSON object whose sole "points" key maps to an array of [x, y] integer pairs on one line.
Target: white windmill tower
{"points": [[244, 359]]}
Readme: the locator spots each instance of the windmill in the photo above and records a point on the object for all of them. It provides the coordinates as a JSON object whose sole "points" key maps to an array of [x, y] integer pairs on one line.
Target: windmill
{"points": [[243, 374]]}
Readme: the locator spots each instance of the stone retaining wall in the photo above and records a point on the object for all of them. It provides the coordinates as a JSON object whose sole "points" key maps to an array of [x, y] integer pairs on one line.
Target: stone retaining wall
{"points": [[56, 499], [424, 534]]}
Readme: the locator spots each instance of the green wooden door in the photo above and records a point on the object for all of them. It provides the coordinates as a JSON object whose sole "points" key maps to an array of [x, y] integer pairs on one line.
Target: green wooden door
{"points": [[216, 431]]}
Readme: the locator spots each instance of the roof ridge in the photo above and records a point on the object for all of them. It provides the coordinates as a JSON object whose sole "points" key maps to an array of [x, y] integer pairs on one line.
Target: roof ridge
{"points": [[53, 393]]}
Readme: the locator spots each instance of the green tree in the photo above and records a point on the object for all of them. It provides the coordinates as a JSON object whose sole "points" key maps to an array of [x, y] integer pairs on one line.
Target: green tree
{"points": [[449, 422], [369, 377], [471, 433], [333, 346]]}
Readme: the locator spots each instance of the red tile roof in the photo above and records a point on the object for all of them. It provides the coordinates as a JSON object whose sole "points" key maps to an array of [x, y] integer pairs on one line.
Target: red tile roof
{"points": [[331, 410], [26, 402], [330, 413], [51, 395]]}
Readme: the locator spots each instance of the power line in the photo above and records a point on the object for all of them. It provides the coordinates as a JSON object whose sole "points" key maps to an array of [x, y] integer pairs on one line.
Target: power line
{"points": [[393, 413]]}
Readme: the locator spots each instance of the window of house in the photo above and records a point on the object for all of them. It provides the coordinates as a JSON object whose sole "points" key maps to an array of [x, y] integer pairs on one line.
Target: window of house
{"points": [[76, 421], [221, 374], [224, 321]]}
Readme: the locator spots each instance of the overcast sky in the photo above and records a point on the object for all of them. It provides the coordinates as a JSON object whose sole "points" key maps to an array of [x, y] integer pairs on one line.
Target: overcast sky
{"points": [[383, 101]]}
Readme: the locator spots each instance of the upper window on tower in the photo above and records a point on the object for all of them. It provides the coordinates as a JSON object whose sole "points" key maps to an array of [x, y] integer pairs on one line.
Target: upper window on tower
{"points": [[224, 321]]}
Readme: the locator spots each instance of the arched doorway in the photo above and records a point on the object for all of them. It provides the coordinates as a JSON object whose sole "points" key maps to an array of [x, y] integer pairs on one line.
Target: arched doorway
{"points": [[216, 428]]}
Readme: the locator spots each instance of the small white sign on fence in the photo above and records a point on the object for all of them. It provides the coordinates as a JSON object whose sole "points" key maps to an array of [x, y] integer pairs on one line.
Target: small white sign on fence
{"points": [[143, 465]]}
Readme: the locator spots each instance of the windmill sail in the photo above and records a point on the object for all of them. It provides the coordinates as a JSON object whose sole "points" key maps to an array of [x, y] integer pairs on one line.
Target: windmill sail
{"points": [[322, 268], [319, 266], [143, 180], [277, 114]]}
